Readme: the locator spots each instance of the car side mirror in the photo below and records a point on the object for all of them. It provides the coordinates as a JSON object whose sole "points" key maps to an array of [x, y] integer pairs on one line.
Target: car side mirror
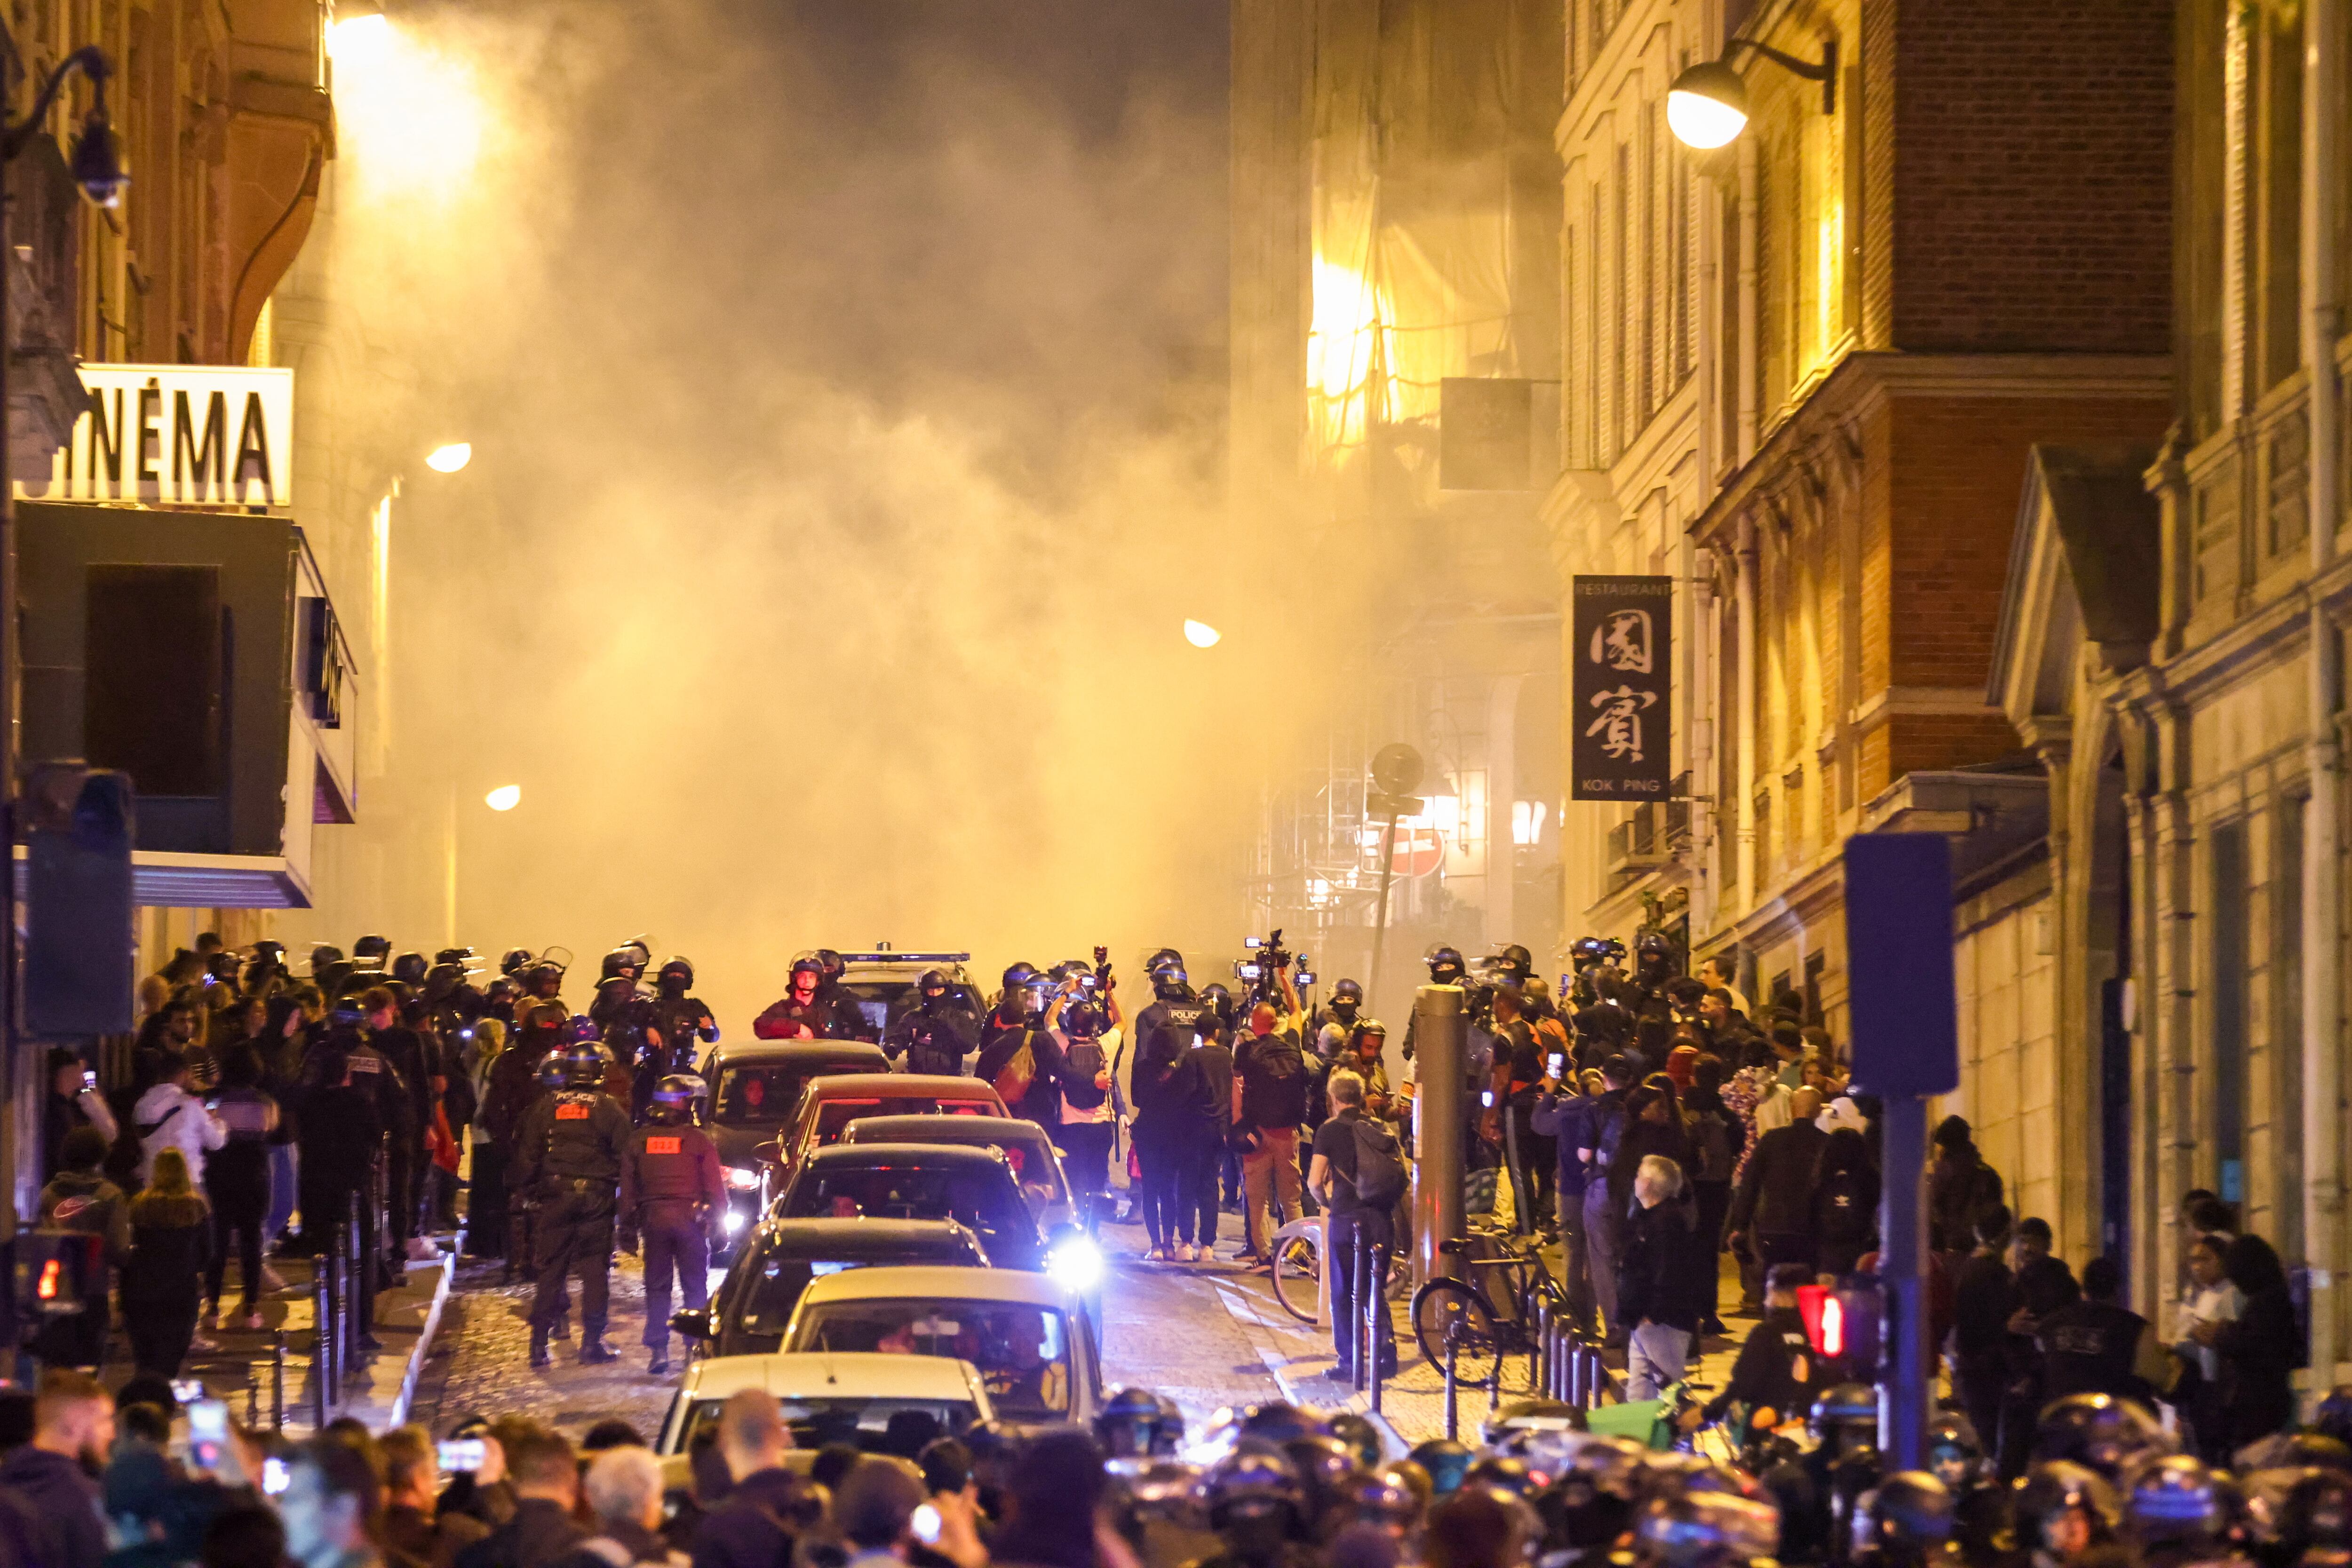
{"points": [[769, 1153], [693, 1322]]}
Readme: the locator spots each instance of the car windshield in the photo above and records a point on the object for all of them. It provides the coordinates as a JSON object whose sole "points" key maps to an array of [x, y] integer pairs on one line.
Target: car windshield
{"points": [[1032, 1166], [980, 1197], [901, 1426], [758, 1096], [877, 1001], [834, 1115], [1023, 1352], [776, 1288]]}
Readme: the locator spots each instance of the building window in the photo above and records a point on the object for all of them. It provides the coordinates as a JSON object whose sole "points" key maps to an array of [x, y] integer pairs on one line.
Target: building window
{"points": [[2227, 1104]]}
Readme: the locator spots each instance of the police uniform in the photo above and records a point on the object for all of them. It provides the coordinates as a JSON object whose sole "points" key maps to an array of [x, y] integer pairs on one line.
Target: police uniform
{"points": [[670, 1186], [570, 1149]]}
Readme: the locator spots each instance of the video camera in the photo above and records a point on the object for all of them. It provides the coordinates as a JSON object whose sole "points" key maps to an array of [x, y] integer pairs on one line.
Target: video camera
{"points": [[1597, 950], [1267, 958]]}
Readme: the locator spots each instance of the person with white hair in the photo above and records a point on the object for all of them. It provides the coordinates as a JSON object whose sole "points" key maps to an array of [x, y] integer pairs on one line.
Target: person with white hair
{"points": [[623, 1488], [1661, 1276]]}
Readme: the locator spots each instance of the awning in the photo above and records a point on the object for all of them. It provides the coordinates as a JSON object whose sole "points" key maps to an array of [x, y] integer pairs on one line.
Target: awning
{"points": [[162, 879]]}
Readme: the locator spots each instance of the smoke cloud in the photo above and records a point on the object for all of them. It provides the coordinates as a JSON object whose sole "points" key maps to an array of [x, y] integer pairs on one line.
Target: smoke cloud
{"points": [[845, 383]]}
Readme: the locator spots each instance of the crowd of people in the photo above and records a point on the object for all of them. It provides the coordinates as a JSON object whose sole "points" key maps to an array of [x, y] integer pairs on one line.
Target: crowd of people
{"points": [[348, 1100], [132, 1480]]}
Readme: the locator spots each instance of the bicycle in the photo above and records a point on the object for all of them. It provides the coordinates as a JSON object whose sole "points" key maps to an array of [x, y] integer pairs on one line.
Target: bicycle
{"points": [[1298, 1276], [1485, 1330]]}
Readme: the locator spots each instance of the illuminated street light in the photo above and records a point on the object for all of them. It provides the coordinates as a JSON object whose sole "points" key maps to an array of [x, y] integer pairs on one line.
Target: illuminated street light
{"points": [[1201, 635], [1707, 106], [359, 30], [450, 458], [505, 798]]}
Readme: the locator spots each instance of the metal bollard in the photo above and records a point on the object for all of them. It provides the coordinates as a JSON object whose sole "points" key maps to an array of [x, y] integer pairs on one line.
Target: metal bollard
{"points": [[1376, 1321], [323, 1311], [252, 1398], [1538, 1344], [1495, 1386], [1452, 1344], [277, 1382]]}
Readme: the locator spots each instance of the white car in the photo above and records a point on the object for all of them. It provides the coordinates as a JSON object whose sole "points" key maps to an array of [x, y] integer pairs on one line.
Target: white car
{"points": [[1030, 1339], [883, 1403]]}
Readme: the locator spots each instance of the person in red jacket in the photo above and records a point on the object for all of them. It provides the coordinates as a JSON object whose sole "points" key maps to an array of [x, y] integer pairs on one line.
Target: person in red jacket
{"points": [[803, 1012]]}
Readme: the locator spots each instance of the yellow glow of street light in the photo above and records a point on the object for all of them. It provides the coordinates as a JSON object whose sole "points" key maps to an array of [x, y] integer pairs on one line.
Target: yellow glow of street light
{"points": [[1201, 635], [450, 458], [352, 38], [505, 798], [1707, 106]]}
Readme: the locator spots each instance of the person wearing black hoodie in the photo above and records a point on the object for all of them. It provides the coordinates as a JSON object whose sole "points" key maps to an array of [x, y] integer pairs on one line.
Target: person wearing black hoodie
{"points": [[755, 1526], [79, 1198], [546, 1477], [1661, 1278], [1774, 1203]]}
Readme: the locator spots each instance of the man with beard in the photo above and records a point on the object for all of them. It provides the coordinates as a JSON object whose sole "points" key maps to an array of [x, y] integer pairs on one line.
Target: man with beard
{"points": [[57, 1473]]}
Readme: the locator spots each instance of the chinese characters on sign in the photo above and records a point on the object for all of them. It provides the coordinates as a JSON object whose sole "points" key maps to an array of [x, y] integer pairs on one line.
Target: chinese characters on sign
{"points": [[1621, 699]]}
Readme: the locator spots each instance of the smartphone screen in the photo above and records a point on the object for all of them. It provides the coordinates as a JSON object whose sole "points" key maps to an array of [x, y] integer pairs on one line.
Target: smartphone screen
{"points": [[207, 1433], [926, 1524], [273, 1475], [88, 1079], [460, 1456], [1554, 1062], [1486, 1097], [187, 1390]]}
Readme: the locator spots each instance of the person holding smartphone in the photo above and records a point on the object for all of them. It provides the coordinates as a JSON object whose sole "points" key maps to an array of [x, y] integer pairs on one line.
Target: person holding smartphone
{"points": [[73, 1102]]}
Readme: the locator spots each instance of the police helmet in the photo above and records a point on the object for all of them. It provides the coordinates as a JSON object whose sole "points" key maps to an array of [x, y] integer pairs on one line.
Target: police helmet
{"points": [[830, 963], [544, 1018], [615, 966], [1167, 957], [2302, 1509], [1516, 961], [516, 959], [378, 948], [452, 955], [1954, 1455], [2098, 1430], [1909, 1515], [1220, 1001], [409, 968], [584, 1064], [1016, 974], [1383, 1496], [1275, 1420], [2173, 1498], [1368, 1028], [1363, 1439], [1346, 991], [672, 1104], [500, 990], [2062, 1506], [1170, 982], [809, 963], [1325, 1467], [554, 1070], [677, 970], [441, 982], [1689, 1528], [545, 978], [933, 986], [1252, 1483], [1445, 965], [1505, 1470], [1845, 1407], [1447, 1462], [323, 953], [1134, 1423]]}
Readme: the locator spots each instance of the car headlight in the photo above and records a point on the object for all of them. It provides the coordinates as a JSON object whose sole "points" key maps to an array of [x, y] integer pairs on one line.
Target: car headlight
{"points": [[1076, 1265], [741, 1179], [734, 1221]]}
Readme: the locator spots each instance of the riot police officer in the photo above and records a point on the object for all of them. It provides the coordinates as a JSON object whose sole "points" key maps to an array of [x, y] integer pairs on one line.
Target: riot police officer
{"points": [[620, 1008], [936, 1033], [805, 1012], [1338, 1017], [572, 1147], [678, 1021], [670, 1186], [1445, 969]]}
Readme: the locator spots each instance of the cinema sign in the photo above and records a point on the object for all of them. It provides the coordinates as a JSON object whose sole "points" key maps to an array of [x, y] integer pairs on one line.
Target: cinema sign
{"points": [[178, 435]]}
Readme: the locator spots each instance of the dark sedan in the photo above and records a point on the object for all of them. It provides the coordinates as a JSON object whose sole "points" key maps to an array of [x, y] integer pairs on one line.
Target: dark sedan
{"points": [[755, 1095], [974, 1187]]}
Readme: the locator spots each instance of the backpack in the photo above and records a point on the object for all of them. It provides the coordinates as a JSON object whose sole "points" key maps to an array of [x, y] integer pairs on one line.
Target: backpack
{"points": [[1085, 1059], [1712, 1153], [1380, 1179], [1274, 1082], [1843, 1217], [1019, 1072]]}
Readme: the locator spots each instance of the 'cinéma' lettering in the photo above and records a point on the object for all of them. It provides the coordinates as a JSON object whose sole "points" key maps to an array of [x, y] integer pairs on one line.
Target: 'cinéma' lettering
{"points": [[174, 424]]}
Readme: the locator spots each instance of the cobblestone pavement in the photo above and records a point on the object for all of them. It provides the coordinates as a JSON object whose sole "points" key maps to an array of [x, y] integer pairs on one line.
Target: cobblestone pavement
{"points": [[1164, 1327]]}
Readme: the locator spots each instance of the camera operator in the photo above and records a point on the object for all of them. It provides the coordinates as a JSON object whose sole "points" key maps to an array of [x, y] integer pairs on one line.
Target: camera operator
{"points": [[936, 1034], [1075, 1054], [1517, 1067], [1269, 1103]]}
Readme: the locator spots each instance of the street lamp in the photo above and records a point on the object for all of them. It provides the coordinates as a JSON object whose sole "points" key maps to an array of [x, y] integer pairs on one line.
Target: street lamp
{"points": [[448, 459], [1201, 635], [505, 798], [97, 168], [1707, 106]]}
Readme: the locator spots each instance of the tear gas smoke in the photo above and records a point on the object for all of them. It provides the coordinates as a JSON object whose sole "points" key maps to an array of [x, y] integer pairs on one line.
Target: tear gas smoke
{"points": [[843, 385]]}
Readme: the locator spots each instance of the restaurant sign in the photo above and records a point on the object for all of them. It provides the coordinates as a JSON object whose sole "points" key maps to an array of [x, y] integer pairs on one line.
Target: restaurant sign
{"points": [[1621, 702]]}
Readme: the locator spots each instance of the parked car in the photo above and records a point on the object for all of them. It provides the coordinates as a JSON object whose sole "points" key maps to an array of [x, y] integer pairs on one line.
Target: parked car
{"points": [[882, 1404], [830, 1104], [1036, 1164], [755, 1095], [748, 1313], [974, 1187], [1030, 1342]]}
